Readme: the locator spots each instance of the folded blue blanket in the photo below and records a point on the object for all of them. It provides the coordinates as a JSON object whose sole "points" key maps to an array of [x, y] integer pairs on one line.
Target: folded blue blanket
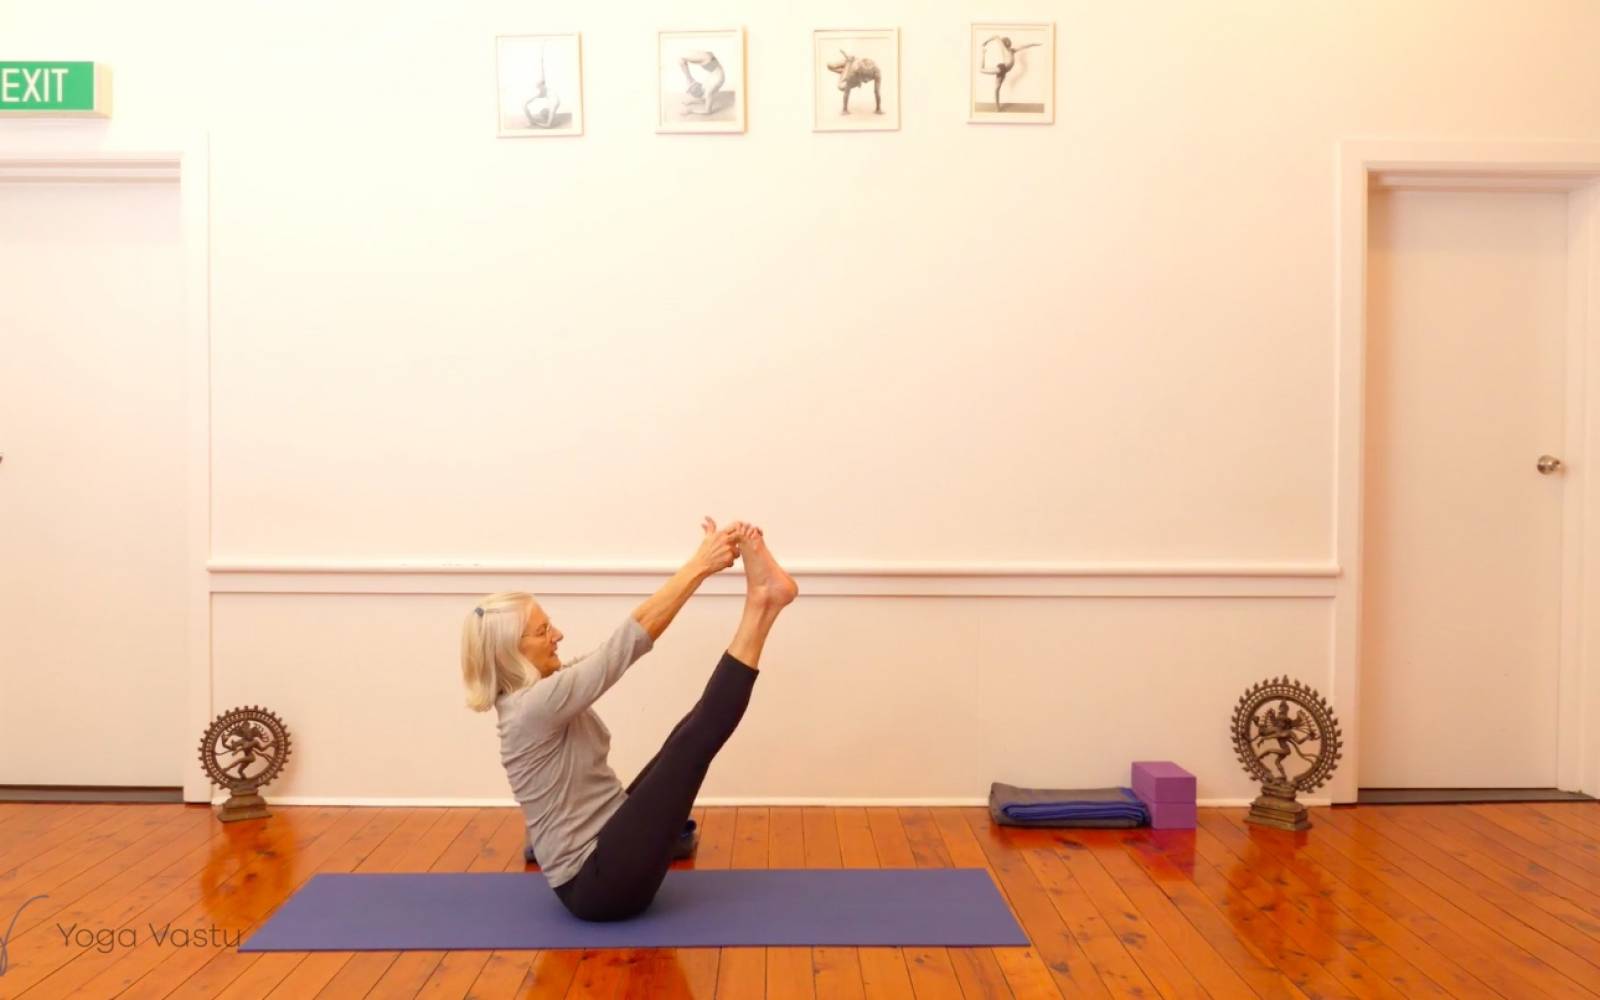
{"points": [[1109, 807]]}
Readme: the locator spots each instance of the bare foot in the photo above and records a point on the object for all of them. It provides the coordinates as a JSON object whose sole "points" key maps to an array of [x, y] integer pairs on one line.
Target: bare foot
{"points": [[764, 578]]}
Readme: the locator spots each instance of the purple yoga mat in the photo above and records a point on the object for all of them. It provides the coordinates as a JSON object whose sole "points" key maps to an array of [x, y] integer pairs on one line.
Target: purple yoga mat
{"points": [[891, 907]]}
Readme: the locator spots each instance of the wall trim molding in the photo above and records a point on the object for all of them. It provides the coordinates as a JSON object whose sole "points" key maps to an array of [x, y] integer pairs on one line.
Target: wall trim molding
{"points": [[91, 167], [863, 579], [594, 567]]}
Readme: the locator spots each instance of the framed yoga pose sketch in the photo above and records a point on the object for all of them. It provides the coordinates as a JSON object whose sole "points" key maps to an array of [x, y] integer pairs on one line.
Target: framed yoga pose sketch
{"points": [[540, 84], [855, 79], [1013, 72], [700, 81]]}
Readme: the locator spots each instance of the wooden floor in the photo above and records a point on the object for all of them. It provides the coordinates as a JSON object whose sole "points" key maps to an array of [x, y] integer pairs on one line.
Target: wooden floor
{"points": [[1388, 901]]}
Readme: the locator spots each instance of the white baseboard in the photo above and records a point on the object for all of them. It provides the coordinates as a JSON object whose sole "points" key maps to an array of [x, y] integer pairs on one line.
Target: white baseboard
{"points": [[708, 803]]}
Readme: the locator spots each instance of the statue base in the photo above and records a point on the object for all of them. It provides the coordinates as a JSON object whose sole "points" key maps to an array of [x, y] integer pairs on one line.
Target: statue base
{"points": [[1276, 808], [243, 804]]}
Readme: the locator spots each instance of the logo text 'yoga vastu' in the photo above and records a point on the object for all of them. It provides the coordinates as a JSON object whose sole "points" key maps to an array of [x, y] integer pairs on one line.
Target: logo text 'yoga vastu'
{"points": [[108, 939]]}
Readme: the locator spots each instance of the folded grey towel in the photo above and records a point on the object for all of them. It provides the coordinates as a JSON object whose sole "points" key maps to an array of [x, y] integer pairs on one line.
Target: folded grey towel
{"points": [[1097, 808]]}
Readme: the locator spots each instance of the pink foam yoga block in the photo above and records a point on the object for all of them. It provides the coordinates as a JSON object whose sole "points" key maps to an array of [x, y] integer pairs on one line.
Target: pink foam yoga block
{"points": [[1162, 781], [1171, 815]]}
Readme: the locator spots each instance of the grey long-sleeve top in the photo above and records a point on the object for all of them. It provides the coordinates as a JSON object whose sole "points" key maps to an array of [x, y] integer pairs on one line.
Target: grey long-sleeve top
{"points": [[554, 749]]}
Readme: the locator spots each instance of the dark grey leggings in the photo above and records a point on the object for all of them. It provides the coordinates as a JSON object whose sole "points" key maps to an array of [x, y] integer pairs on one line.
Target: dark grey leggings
{"points": [[634, 848]]}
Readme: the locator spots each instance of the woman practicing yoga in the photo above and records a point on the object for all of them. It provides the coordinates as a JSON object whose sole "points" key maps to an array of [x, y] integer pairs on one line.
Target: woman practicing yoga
{"points": [[705, 95], [542, 106], [605, 850], [1008, 60]]}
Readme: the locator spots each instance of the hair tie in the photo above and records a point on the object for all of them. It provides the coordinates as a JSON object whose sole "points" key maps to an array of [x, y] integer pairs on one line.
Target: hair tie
{"points": [[479, 611]]}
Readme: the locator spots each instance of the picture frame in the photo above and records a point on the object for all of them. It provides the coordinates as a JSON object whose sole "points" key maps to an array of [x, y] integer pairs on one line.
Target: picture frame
{"points": [[855, 80], [539, 85], [1011, 72], [700, 81]]}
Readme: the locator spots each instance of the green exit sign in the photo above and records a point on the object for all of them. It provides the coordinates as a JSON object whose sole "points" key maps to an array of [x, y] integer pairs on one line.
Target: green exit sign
{"points": [[55, 89]]}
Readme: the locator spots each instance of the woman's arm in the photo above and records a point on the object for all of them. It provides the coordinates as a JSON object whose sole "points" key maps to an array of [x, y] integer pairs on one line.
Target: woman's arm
{"points": [[717, 551], [698, 58], [553, 701], [658, 610]]}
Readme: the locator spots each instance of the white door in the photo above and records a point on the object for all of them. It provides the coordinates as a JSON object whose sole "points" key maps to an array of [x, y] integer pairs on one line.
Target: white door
{"points": [[1466, 319], [92, 486]]}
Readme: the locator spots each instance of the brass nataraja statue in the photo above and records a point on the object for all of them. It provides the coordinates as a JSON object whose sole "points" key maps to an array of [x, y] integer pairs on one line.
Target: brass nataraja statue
{"points": [[1264, 738], [254, 736]]}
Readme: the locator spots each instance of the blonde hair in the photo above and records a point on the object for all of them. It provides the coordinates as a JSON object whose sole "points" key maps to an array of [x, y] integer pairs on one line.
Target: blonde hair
{"points": [[491, 662]]}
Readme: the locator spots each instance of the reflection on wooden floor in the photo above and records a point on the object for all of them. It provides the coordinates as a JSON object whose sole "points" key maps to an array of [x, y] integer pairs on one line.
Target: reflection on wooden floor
{"points": [[1393, 901]]}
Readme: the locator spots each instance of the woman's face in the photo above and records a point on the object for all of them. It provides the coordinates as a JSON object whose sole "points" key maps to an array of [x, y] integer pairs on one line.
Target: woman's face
{"points": [[539, 641]]}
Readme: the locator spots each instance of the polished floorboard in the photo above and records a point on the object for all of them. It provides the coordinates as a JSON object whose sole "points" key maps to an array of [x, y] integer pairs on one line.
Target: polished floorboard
{"points": [[1491, 900]]}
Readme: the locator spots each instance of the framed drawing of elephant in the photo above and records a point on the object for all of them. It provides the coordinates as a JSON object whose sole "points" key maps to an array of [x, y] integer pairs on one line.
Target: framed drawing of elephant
{"points": [[856, 74]]}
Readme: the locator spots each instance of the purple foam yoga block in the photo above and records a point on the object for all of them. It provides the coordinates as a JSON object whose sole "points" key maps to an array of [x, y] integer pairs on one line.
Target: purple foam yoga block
{"points": [[1171, 815], [1162, 781]]}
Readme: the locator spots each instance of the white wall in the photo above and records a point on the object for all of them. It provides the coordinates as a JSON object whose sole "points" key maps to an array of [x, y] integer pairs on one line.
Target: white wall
{"points": [[1107, 342]]}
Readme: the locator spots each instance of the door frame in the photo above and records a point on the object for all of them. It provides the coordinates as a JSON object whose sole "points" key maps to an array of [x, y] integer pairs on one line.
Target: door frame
{"points": [[1367, 164], [67, 152]]}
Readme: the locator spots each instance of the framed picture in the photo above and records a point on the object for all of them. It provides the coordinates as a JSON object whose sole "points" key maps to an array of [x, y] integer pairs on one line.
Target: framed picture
{"points": [[540, 84], [700, 81], [855, 79], [1013, 72]]}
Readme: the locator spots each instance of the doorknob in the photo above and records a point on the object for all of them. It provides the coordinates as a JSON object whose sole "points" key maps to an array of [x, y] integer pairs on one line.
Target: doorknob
{"points": [[1548, 464]]}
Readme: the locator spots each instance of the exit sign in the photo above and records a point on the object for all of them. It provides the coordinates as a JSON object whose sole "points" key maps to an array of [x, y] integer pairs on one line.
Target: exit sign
{"points": [[66, 89]]}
